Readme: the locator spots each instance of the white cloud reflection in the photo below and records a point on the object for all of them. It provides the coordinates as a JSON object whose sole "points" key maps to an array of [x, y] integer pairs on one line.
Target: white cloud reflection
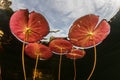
{"points": [[62, 13]]}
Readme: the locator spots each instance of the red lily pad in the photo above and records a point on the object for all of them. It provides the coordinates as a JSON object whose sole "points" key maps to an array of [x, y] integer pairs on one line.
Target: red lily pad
{"points": [[87, 32], [60, 46], [34, 49], [28, 27], [76, 54]]}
